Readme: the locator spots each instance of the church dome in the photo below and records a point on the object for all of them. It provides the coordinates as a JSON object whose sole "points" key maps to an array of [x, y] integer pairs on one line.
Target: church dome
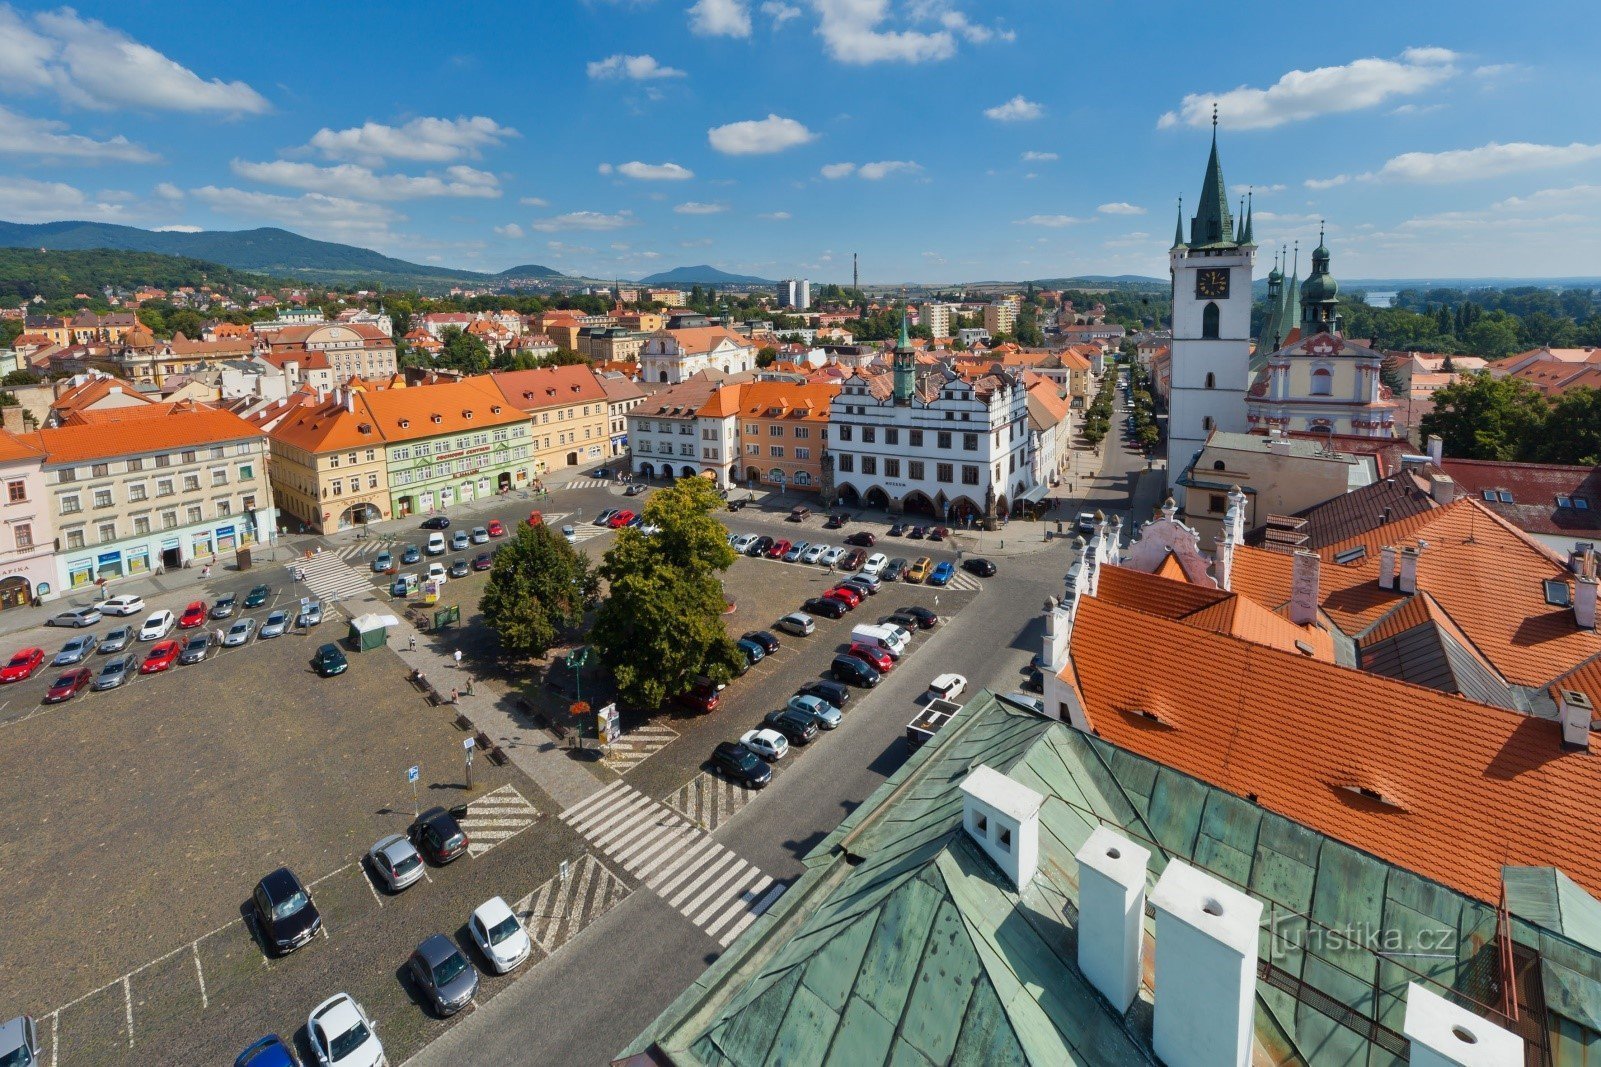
{"points": [[1319, 289]]}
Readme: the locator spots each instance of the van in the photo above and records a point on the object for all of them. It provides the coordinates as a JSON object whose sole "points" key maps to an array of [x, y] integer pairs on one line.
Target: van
{"points": [[436, 544], [404, 585], [799, 513], [879, 637]]}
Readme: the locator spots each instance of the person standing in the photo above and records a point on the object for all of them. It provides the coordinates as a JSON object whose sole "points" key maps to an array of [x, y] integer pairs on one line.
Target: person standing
{"points": [[457, 656]]}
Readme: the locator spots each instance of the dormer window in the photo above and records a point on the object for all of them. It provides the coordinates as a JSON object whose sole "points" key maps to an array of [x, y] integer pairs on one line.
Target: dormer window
{"points": [[437, 419], [404, 423]]}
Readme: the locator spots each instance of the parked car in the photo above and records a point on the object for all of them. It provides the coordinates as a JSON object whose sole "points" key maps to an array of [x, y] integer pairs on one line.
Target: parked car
{"points": [[896, 529], [980, 566], [735, 761], [874, 565], [864, 582], [436, 522], [162, 654], [862, 538], [396, 862], [926, 619], [404, 585], [766, 638], [904, 619], [796, 551], [499, 935], [444, 975], [798, 727], [919, 569], [483, 561], [814, 552], [1085, 523], [157, 626], [258, 596], [460, 567], [917, 533], [437, 834], [68, 685], [239, 633], [778, 549], [635, 489], [329, 660], [19, 1043], [197, 648], [277, 622], [768, 744], [852, 560], [942, 574], [383, 561], [116, 640], [309, 615], [459, 540], [605, 517], [741, 542], [224, 607], [496, 529], [760, 546], [798, 513], [341, 1034], [827, 715], [851, 597], [435, 545], [286, 916], [854, 671], [877, 658], [836, 521], [797, 623], [75, 651], [754, 653], [269, 1051], [831, 554], [480, 535], [836, 694], [23, 665], [127, 604], [895, 570], [948, 686], [76, 617], [408, 555], [700, 698], [193, 615], [115, 671], [828, 609], [939, 533]]}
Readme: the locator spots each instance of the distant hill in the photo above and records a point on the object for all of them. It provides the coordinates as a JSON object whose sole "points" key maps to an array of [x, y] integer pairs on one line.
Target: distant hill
{"points": [[704, 274], [530, 270], [27, 272], [1133, 281], [269, 250]]}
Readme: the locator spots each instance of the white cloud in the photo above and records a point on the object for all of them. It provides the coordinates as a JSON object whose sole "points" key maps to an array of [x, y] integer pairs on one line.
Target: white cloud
{"points": [[1120, 208], [850, 33], [27, 200], [876, 171], [534, 201], [583, 220], [758, 136], [634, 68], [775, 216], [169, 191], [694, 207], [1040, 157], [1326, 183], [1487, 161], [88, 64], [177, 227], [352, 180], [1569, 195], [422, 140], [780, 12], [650, 172], [1017, 109], [835, 171], [1259, 190], [1052, 221], [720, 18], [315, 212], [24, 136], [511, 229], [1305, 94], [1417, 109]]}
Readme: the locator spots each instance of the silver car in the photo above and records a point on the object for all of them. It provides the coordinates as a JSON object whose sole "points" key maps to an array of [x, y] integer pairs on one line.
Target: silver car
{"points": [[276, 624], [19, 1043], [115, 671], [444, 973], [239, 633], [79, 617], [310, 614], [480, 535], [116, 640], [396, 862], [197, 648], [75, 651], [799, 623]]}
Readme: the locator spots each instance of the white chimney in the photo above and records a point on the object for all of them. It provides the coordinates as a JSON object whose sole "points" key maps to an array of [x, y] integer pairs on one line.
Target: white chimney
{"points": [[1576, 713], [1584, 602], [1111, 914], [1442, 487], [1304, 588], [1408, 582], [1225, 562], [1387, 567], [1003, 816], [1436, 449], [1206, 945], [1444, 1035], [1058, 629]]}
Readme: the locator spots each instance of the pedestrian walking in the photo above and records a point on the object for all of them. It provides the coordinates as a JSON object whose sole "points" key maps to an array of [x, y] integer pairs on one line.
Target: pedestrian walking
{"points": [[454, 695], [411, 643], [457, 655], [205, 572]]}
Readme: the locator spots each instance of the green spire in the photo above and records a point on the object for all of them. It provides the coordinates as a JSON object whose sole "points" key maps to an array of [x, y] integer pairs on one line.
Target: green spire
{"points": [[906, 338], [905, 365], [1292, 295], [1320, 295], [1250, 238], [1212, 223], [1178, 227]]}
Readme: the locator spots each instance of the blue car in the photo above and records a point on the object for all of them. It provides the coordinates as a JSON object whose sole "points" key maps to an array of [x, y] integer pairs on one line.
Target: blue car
{"points": [[942, 574], [753, 652], [411, 555], [270, 1051]]}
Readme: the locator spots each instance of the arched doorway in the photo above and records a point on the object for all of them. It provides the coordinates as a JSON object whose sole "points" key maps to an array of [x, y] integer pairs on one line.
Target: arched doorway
{"points": [[1000, 504], [964, 509], [358, 515], [667, 472], [647, 470], [405, 506], [503, 483], [752, 475], [877, 499], [848, 496], [918, 503], [572, 459], [688, 472], [15, 592]]}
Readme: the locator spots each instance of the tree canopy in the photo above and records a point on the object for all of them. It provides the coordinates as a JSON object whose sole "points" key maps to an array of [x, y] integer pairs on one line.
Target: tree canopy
{"points": [[538, 588], [1483, 417]]}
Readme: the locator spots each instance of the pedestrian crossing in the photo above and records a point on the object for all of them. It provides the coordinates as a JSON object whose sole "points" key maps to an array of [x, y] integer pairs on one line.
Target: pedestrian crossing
{"points": [[962, 581], [709, 800], [697, 877], [330, 578], [638, 745], [496, 816], [587, 483], [586, 531], [554, 913]]}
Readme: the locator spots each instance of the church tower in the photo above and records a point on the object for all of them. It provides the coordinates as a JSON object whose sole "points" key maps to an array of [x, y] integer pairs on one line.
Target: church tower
{"points": [[1211, 350], [905, 366]]}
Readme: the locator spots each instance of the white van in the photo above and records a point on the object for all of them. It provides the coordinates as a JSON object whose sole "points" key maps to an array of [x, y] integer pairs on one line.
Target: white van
{"points": [[436, 543], [879, 637]]}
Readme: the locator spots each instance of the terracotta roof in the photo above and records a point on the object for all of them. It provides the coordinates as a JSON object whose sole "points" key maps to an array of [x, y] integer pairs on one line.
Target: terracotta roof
{"points": [[550, 387], [1361, 511], [433, 410], [807, 402], [1534, 489], [14, 449], [723, 403], [91, 392], [681, 400], [224, 349], [694, 340], [1171, 596], [184, 426], [306, 359], [102, 416]]}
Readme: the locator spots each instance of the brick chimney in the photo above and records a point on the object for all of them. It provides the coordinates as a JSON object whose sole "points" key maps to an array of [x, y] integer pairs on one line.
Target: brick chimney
{"points": [[1387, 567], [1576, 713], [1304, 588], [1408, 581]]}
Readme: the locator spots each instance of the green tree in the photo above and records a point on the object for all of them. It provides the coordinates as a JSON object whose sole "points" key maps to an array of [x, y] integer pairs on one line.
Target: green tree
{"points": [[1482, 417], [154, 319], [463, 351], [1572, 430], [1493, 335], [537, 589], [10, 330], [766, 356], [186, 321]]}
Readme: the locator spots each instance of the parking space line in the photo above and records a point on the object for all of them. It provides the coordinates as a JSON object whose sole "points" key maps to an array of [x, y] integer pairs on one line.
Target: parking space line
{"points": [[200, 975], [368, 883], [127, 1006], [55, 1036]]}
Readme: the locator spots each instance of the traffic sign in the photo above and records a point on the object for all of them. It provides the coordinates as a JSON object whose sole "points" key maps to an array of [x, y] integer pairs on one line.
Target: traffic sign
{"points": [[413, 773], [469, 743]]}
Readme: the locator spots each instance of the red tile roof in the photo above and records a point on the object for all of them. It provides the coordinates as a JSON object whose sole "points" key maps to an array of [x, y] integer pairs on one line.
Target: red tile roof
{"points": [[183, 427], [549, 387]]}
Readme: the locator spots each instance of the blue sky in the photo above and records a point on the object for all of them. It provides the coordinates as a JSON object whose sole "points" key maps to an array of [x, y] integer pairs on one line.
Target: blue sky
{"points": [[943, 140]]}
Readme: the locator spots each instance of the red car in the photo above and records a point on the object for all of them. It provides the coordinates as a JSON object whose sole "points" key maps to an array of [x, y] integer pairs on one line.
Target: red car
{"points": [[22, 665], [161, 657], [194, 615], [69, 685], [865, 539], [875, 657], [850, 596], [621, 519], [701, 698], [853, 560], [779, 548], [496, 529]]}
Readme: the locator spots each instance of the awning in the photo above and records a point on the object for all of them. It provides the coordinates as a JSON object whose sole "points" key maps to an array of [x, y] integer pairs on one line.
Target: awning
{"points": [[1034, 492]]}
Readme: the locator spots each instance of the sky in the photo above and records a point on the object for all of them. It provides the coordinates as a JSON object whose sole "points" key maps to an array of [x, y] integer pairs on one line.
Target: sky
{"points": [[942, 140]]}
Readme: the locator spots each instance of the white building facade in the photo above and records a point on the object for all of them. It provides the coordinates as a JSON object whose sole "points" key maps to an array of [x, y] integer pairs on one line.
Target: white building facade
{"points": [[673, 355]]}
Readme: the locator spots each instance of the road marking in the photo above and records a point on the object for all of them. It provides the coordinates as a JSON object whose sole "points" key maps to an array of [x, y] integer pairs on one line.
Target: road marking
{"points": [[497, 816], [554, 913], [368, 883], [200, 974], [55, 1036], [638, 745], [710, 800], [127, 1006]]}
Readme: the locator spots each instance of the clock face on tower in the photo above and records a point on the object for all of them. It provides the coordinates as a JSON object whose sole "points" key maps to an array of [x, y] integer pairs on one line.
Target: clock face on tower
{"points": [[1212, 283]]}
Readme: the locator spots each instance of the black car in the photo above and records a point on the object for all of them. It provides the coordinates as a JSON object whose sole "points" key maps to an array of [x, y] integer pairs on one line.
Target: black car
{"points": [[799, 726], [834, 522], [601, 472], [905, 620], [735, 505], [829, 609], [286, 916], [926, 620], [438, 836], [979, 566], [917, 533], [897, 529], [895, 570], [760, 546], [436, 522], [823, 689], [741, 764], [862, 538], [329, 661], [764, 638], [852, 670]]}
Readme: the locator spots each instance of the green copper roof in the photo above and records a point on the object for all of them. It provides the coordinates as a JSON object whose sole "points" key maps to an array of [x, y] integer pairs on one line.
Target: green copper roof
{"points": [[1249, 238], [905, 341], [1178, 227], [1212, 224]]}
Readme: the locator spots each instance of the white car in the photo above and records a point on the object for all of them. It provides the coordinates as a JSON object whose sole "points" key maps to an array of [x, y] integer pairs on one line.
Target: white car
{"points": [[157, 626], [499, 936], [831, 554], [814, 553], [570, 534], [436, 544], [770, 745], [127, 604], [948, 686], [742, 543], [342, 1035], [239, 633], [436, 572], [875, 564]]}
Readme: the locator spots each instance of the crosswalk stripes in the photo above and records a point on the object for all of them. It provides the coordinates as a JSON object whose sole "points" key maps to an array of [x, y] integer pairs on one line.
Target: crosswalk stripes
{"points": [[554, 913], [585, 531], [496, 816], [697, 877], [709, 800], [331, 578], [963, 580], [638, 745], [587, 483]]}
